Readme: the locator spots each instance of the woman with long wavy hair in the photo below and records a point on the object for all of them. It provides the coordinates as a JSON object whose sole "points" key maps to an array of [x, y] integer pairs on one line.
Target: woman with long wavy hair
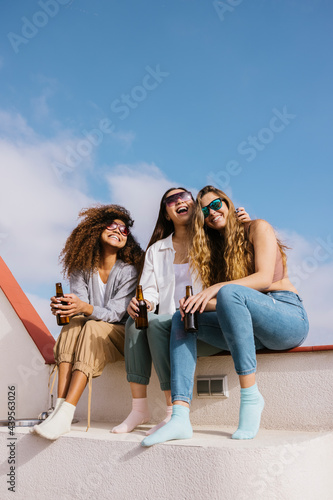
{"points": [[101, 258], [165, 274], [248, 303]]}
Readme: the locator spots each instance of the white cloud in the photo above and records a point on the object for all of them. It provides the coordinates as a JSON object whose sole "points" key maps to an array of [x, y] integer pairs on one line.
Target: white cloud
{"points": [[310, 266], [139, 188], [37, 211], [14, 126]]}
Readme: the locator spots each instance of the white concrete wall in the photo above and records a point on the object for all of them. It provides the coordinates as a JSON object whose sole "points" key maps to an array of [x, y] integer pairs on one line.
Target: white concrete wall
{"points": [[276, 465], [297, 388], [22, 365]]}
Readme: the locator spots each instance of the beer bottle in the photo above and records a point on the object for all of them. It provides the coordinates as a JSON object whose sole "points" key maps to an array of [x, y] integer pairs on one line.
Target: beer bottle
{"points": [[190, 319], [142, 320], [61, 320]]}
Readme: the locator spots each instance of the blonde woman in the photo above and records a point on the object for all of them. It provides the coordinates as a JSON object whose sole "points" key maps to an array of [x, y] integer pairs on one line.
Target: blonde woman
{"points": [[248, 303], [165, 274]]}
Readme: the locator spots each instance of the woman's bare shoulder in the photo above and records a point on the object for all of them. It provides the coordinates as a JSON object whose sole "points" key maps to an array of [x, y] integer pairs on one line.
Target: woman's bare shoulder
{"points": [[259, 227]]}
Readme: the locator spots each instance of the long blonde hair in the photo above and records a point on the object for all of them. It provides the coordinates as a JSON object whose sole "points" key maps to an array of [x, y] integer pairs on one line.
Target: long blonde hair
{"points": [[217, 257]]}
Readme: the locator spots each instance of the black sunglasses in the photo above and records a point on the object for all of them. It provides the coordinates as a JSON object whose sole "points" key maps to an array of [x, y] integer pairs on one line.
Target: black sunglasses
{"points": [[214, 205]]}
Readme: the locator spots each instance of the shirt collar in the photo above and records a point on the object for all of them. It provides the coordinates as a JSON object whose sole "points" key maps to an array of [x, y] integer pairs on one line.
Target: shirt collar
{"points": [[166, 243]]}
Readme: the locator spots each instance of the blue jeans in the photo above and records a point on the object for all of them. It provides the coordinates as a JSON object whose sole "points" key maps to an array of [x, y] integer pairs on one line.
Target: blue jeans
{"points": [[245, 320], [142, 347]]}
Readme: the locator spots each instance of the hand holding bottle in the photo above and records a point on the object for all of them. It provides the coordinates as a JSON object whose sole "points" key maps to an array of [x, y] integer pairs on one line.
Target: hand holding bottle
{"points": [[141, 321], [133, 307], [57, 304]]}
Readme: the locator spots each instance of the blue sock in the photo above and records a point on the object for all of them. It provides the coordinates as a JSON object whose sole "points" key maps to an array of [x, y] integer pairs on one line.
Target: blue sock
{"points": [[251, 406], [179, 427]]}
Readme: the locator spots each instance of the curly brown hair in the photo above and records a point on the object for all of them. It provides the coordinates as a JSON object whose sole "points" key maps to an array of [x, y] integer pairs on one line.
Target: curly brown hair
{"points": [[83, 249], [220, 257]]}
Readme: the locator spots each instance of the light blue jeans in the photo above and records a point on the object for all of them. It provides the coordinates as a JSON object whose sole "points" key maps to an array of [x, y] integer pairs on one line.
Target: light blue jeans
{"points": [[142, 347], [245, 320]]}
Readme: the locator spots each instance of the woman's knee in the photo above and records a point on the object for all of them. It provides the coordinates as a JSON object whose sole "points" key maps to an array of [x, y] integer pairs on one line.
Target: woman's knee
{"points": [[177, 320], [90, 328], [228, 294], [158, 330], [130, 327]]}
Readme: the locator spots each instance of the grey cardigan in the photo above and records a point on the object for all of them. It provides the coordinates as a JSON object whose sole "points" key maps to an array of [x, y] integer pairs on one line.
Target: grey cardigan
{"points": [[120, 288]]}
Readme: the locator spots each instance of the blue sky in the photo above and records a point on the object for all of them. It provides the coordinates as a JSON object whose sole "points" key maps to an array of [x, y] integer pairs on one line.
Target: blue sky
{"points": [[111, 101]]}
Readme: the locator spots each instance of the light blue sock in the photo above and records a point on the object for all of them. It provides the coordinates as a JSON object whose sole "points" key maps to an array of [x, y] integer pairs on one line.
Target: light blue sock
{"points": [[251, 406], [179, 427]]}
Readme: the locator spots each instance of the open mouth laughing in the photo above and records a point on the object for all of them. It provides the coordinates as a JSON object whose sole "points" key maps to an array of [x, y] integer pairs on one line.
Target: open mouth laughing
{"points": [[182, 210], [114, 236]]}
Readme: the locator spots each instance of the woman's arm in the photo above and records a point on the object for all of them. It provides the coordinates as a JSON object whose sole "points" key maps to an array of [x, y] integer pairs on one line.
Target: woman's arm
{"points": [[77, 301], [263, 238], [148, 280], [116, 306]]}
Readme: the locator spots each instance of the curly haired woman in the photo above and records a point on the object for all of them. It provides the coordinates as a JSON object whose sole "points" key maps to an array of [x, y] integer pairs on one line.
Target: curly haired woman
{"points": [[101, 259], [248, 303]]}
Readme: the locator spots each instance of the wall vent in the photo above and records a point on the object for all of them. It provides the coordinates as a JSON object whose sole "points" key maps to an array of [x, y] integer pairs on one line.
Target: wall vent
{"points": [[212, 386]]}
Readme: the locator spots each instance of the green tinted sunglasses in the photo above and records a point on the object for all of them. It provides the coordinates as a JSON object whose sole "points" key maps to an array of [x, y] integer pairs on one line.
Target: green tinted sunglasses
{"points": [[214, 205]]}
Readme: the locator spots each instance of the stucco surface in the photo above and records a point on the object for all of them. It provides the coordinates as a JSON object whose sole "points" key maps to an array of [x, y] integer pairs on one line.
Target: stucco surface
{"points": [[276, 465], [22, 365], [297, 388]]}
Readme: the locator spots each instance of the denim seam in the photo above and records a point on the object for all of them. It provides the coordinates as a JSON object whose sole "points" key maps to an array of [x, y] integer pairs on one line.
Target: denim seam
{"points": [[246, 372], [179, 397]]}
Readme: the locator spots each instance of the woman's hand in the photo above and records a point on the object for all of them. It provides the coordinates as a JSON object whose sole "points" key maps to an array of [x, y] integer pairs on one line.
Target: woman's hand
{"points": [[199, 301], [133, 308], [73, 306], [181, 307], [242, 215]]}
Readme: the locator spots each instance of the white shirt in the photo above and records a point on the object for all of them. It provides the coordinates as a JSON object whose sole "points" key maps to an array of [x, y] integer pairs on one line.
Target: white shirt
{"points": [[158, 277], [182, 280], [102, 288]]}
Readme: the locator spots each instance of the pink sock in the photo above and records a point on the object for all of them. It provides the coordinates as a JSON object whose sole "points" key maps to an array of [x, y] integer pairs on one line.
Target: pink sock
{"points": [[139, 415], [165, 421]]}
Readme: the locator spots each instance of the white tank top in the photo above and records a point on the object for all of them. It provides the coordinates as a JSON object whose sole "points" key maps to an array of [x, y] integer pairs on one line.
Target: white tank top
{"points": [[102, 288], [182, 279]]}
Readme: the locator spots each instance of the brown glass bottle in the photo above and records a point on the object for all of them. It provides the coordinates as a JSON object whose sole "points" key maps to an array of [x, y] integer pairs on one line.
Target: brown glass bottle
{"points": [[190, 319], [142, 320], [61, 320]]}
